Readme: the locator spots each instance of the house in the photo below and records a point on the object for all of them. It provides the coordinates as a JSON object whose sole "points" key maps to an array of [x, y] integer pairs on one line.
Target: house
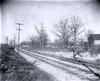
{"points": [[93, 39], [94, 43]]}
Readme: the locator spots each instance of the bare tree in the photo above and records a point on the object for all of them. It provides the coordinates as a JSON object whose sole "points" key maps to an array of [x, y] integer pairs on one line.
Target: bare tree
{"points": [[42, 36], [76, 30], [62, 31], [34, 42]]}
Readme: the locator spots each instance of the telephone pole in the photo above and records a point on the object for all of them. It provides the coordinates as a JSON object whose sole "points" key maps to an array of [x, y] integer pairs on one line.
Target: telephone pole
{"points": [[7, 40], [19, 29], [14, 40]]}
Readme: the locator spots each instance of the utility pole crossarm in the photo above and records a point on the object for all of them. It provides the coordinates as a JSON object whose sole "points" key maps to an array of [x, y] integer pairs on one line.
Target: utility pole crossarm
{"points": [[19, 24]]}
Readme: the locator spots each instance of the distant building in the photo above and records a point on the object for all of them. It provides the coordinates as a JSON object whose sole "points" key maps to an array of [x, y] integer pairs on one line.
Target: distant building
{"points": [[94, 39], [52, 45], [94, 43]]}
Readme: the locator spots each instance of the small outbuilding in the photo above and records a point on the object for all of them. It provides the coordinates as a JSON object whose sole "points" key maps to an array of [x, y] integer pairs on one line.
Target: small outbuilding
{"points": [[94, 43]]}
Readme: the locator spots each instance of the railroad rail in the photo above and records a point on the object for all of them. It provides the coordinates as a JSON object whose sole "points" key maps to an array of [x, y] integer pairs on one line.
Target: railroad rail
{"points": [[93, 65], [79, 70]]}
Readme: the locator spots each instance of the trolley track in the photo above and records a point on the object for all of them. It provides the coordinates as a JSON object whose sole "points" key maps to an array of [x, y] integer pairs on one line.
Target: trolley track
{"points": [[93, 65], [64, 66]]}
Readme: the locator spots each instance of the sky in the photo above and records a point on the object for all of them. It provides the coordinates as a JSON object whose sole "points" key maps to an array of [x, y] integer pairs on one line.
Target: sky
{"points": [[48, 12]]}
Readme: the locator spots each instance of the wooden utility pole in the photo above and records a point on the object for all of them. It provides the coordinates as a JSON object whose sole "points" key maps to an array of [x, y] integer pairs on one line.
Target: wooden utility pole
{"points": [[7, 40], [19, 29], [14, 40]]}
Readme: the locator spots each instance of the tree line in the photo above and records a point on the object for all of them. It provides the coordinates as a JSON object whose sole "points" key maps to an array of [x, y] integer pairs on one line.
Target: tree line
{"points": [[68, 33]]}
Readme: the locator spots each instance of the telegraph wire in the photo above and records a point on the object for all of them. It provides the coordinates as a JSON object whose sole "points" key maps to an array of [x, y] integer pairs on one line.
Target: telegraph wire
{"points": [[78, 9], [88, 3], [28, 11], [29, 18]]}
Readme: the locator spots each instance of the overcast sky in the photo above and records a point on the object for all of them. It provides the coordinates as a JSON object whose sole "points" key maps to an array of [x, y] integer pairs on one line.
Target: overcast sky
{"points": [[48, 12]]}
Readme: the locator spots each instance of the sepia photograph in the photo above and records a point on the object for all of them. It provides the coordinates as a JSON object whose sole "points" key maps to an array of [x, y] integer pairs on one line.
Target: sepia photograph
{"points": [[50, 40]]}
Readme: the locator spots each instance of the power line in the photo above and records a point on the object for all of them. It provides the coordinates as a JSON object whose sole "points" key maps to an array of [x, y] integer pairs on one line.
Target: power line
{"points": [[27, 19], [79, 9], [27, 12], [19, 29], [69, 13]]}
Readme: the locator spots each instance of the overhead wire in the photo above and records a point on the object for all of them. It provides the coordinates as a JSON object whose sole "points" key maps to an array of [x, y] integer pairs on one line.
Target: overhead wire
{"points": [[69, 13], [28, 11], [27, 17], [87, 4]]}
